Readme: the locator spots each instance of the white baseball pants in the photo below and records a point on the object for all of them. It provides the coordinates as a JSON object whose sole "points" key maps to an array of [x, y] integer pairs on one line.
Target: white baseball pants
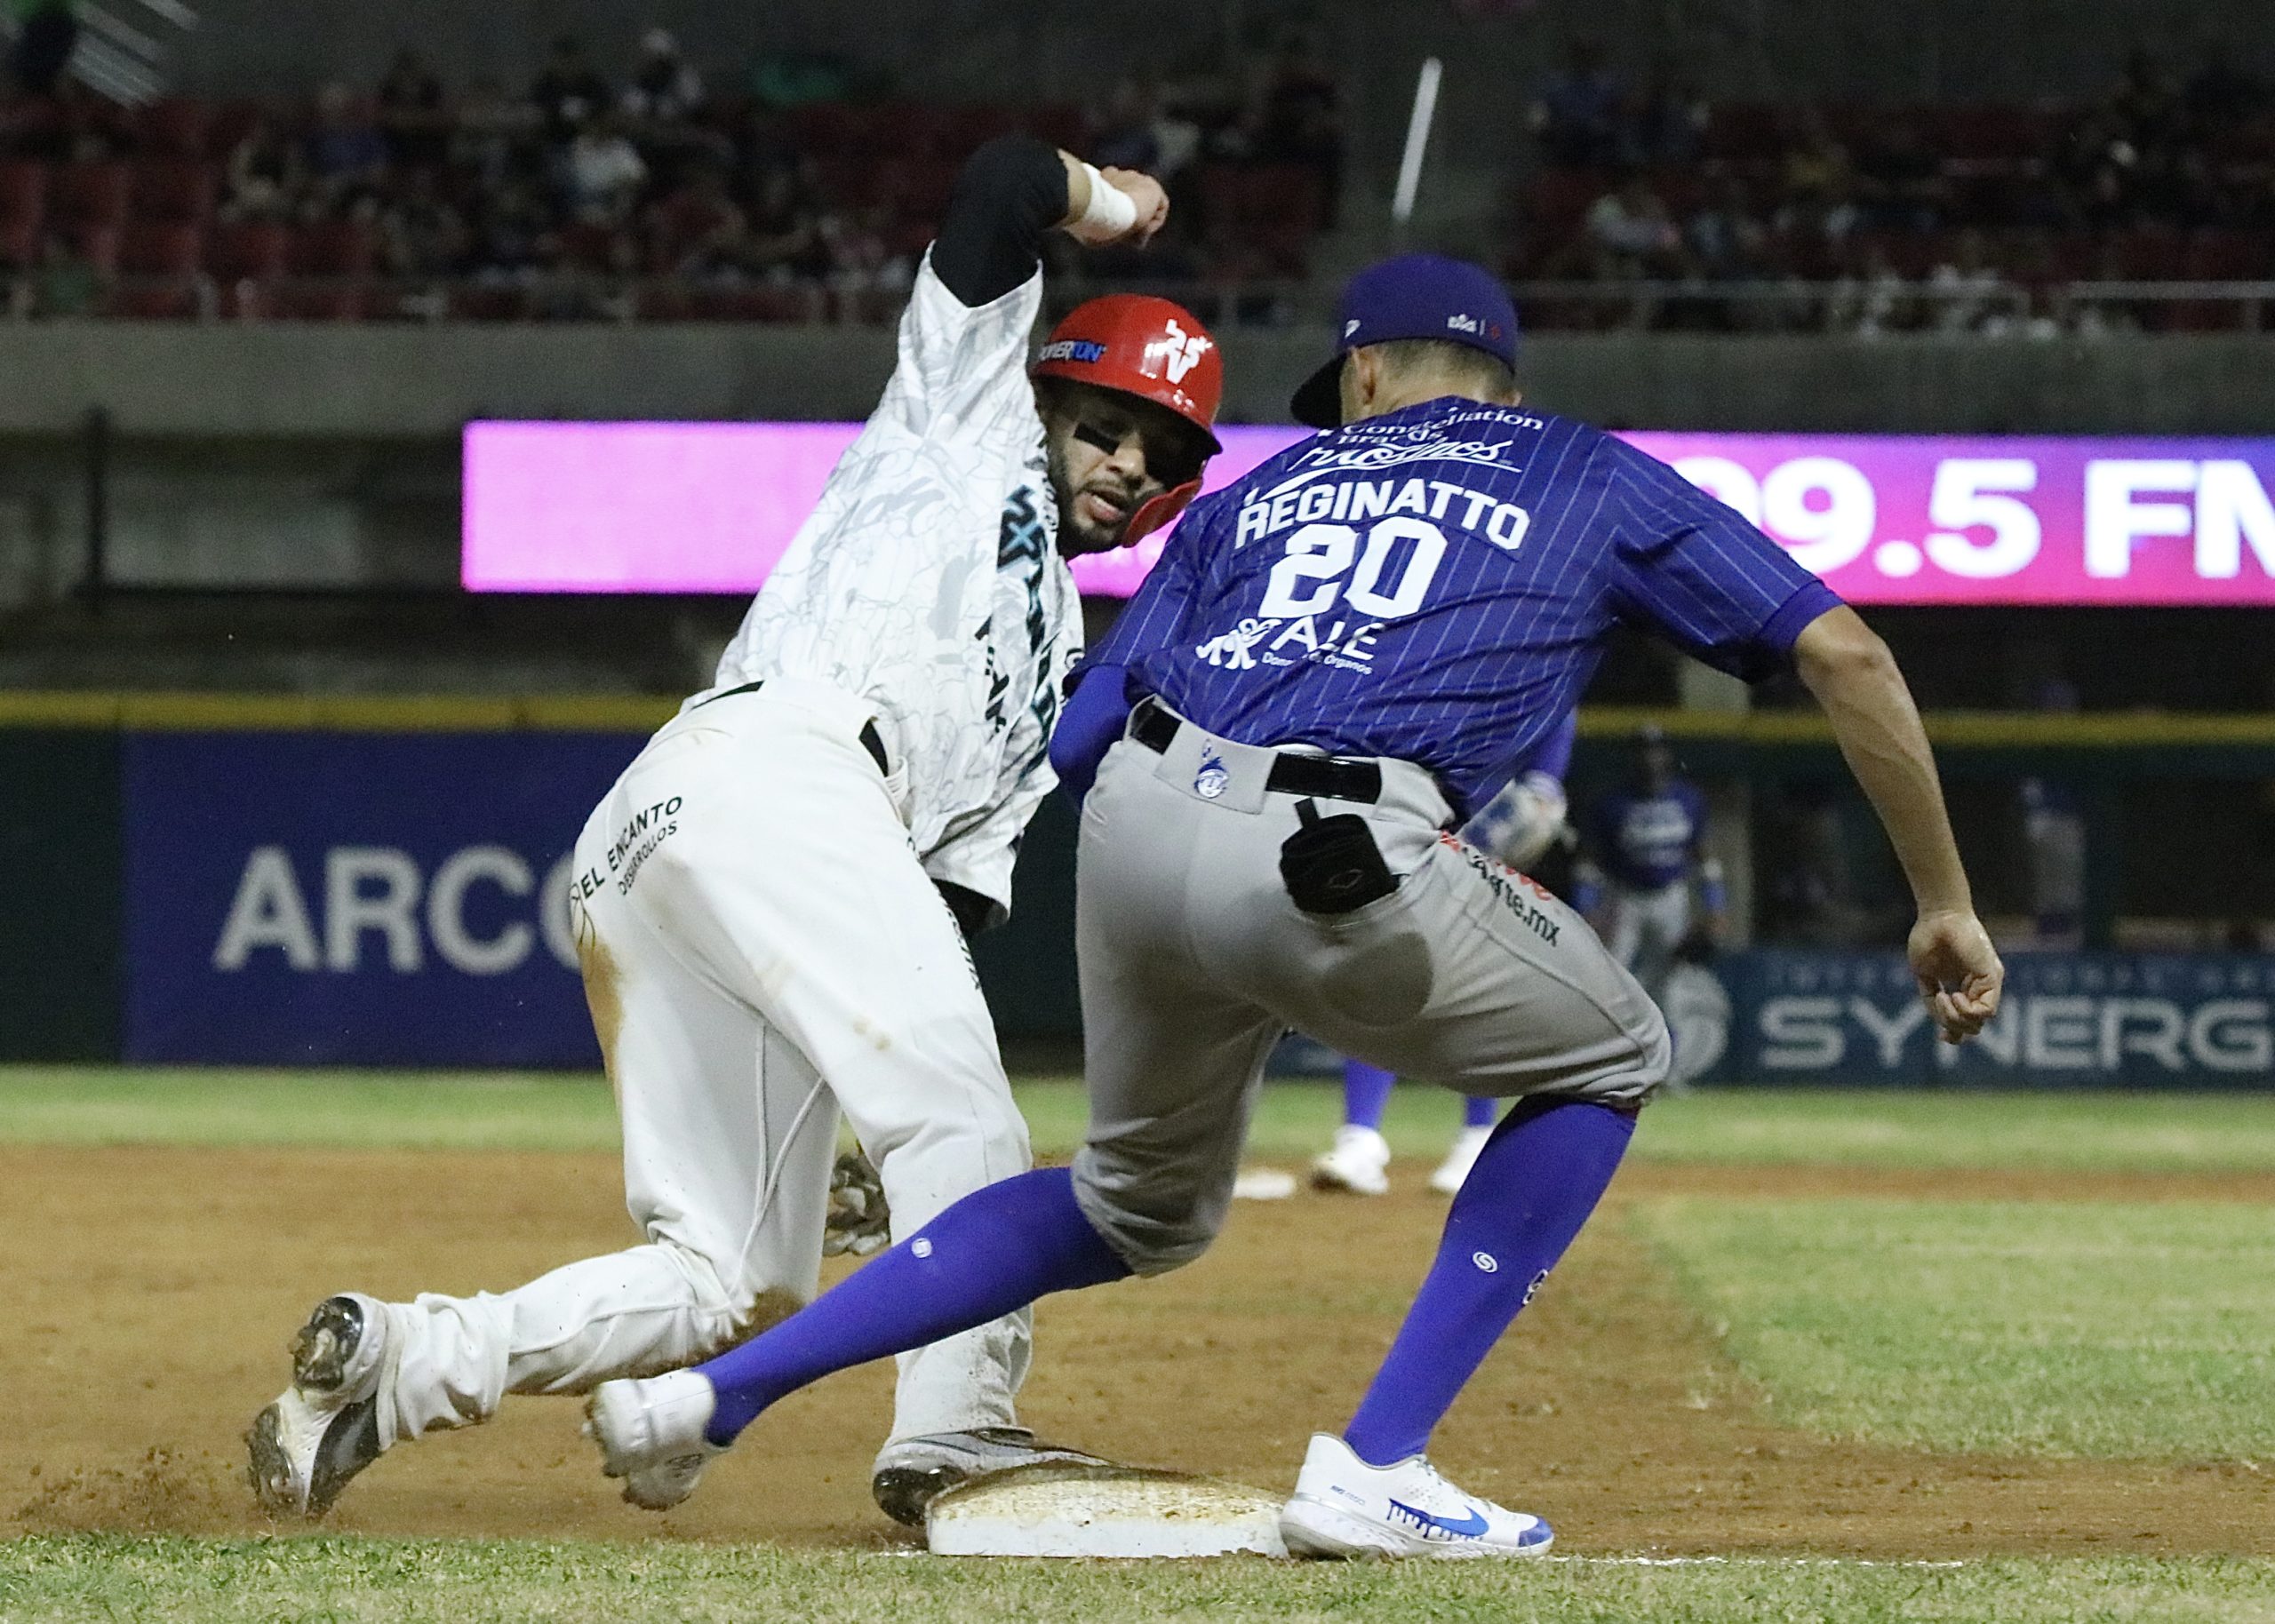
{"points": [[760, 948]]}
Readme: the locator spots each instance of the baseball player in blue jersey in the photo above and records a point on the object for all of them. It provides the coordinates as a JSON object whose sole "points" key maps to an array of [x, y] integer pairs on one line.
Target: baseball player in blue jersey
{"points": [[1517, 827], [1336, 657], [1645, 845]]}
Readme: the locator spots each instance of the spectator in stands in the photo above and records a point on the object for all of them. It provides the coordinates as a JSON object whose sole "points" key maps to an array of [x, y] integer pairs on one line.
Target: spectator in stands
{"points": [[664, 89], [2220, 96], [1725, 240], [1303, 118], [1970, 290], [1575, 115], [568, 91], [865, 271], [1816, 165], [265, 178], [1871, 297], [422, 235], [1663, 123], [493, 134], [601, 172], [698, 233], [2098, 318], [414, 113], [1632, 235], [65, 283], [511, 234], [346, 157], [47, 31], [1900, 181], [782, 213], [1812, 229], [1121, 133], [563, 287], [2097, 170], [2147, 106]]}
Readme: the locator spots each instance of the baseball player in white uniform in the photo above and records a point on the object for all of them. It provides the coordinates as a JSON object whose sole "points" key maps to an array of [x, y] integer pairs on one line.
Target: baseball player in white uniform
{"points": [[771, 906]]}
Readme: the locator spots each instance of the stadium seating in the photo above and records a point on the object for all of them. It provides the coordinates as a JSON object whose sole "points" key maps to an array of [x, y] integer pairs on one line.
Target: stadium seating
{"points": [[146, 199], [23, 209]]}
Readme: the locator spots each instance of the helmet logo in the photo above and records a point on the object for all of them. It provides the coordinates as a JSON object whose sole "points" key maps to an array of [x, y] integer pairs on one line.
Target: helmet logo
{"points": [[1179, 351], [1088, 350], [1351, 327]]}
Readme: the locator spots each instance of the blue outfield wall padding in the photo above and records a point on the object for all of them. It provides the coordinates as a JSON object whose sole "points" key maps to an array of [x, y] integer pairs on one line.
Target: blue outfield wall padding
{"points": [[394, 898], [400, 898], [367, 899]]}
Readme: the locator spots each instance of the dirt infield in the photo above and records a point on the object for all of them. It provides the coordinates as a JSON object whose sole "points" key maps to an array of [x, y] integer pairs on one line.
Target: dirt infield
{"points": [[150, 1294]]}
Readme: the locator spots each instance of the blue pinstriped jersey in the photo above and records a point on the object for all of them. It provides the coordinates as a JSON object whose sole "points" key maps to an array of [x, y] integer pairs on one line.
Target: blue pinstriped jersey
{"points": [[1434, 585], [1647, 839]]}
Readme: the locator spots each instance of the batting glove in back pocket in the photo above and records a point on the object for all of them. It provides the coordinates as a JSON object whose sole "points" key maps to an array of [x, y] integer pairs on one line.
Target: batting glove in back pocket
{"points": [[1331, 864]]}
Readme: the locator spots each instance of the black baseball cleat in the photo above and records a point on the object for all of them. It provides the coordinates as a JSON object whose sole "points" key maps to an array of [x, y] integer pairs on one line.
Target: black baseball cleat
{"points": [[911, 1473], [302, 1449]]}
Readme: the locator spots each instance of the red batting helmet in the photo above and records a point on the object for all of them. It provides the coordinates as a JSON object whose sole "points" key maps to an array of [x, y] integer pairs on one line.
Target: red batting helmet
{"points": [[1153, 349]]}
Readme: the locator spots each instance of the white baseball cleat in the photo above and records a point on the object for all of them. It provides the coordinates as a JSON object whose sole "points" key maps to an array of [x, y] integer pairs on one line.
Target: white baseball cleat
{"points": [[1357, 1164], [319, 1432], [1343, 1506], [650, 1435], [1453, 1172]]}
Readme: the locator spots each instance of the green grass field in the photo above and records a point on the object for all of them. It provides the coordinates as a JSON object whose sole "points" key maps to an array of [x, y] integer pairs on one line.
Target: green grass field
{"points": [[2086, 1328], [163, 1581], [553, 1111], [2061, 1328]]}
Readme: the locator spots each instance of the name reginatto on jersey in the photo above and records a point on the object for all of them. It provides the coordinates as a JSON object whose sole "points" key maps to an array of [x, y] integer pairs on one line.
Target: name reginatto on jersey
{"points": [[1503, 523]]}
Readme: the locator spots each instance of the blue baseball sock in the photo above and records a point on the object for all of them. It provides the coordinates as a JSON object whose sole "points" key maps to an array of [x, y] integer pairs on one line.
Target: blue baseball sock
{"points": [[1366, 1090], [996, 1250], [1536, 1180], [1478, 1111]]}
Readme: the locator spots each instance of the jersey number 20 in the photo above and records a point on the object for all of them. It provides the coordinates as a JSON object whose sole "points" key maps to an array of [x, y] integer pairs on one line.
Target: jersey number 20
{"points": [[1309, 579]]}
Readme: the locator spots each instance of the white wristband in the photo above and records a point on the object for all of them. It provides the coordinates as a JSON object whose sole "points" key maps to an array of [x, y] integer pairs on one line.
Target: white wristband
{"points": [[1112, 210]]}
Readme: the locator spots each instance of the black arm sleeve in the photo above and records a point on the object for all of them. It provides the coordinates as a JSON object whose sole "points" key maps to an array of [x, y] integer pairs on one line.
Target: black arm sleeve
{"points": [[1011, 192], [974, 913]]}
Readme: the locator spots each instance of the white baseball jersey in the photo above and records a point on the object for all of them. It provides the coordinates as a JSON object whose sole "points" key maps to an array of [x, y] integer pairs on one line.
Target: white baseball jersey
{"points": [[927, 582]]}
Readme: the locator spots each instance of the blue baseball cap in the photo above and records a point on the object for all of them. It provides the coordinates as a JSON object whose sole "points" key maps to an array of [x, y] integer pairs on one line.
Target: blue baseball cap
{"points": [[1414, 295]]}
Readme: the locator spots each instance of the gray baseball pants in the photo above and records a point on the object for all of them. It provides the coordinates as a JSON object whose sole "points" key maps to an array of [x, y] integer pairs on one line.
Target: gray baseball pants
{"points": [[1194, 960]]}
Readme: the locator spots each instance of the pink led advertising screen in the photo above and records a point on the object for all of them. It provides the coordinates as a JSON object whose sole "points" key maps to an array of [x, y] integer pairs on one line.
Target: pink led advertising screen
{"points": [[708, 507]]}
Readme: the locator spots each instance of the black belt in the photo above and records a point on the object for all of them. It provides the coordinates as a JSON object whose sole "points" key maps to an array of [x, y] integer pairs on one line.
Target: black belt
{"points": [[1325, 777], [871, 740]]}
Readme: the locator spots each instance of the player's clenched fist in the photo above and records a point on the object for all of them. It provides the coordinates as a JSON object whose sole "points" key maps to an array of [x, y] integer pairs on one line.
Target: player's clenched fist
{"points": [[1113, 205], [1958, 971], [1145, 194]]}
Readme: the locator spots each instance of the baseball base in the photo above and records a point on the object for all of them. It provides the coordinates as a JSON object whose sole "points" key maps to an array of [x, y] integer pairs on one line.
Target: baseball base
{"points": [[1103, 1511]]}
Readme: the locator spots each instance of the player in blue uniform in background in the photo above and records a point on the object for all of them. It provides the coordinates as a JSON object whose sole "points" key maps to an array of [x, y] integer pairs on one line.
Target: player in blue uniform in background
{"points": [[1336, 662], [1644, 845], [1517, 827]]}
